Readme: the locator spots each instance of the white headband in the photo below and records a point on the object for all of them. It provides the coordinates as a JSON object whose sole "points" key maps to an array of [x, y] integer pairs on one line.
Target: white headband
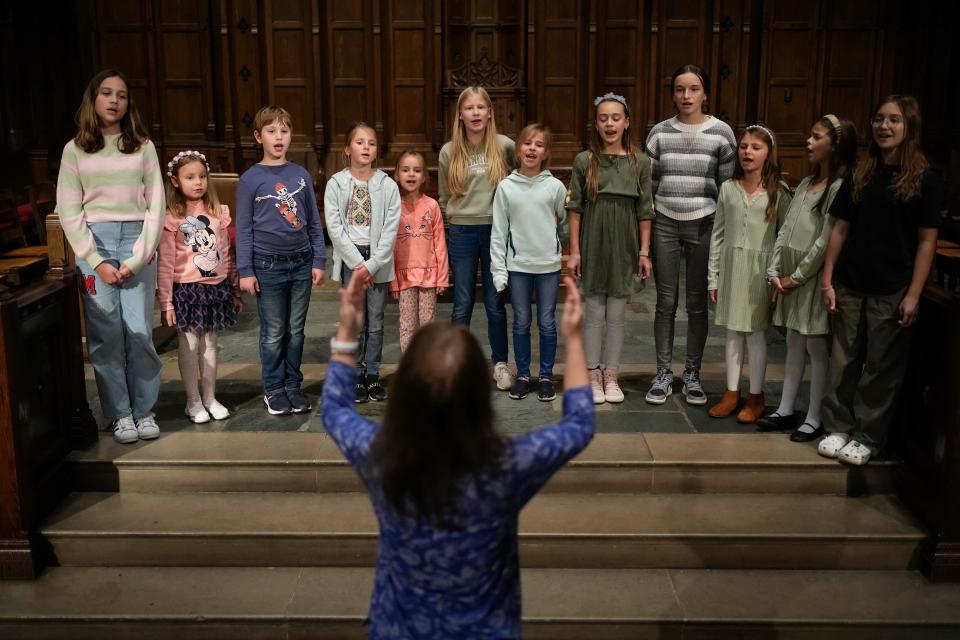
{"points": [[183, 154], [835, 122], [609, 96], [765, 130]]}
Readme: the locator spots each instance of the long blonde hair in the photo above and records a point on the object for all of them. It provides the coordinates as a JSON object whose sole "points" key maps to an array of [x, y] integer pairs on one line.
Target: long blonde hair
{"points": [[596, 149], [176, 201], [460, 158], [913, 164]]}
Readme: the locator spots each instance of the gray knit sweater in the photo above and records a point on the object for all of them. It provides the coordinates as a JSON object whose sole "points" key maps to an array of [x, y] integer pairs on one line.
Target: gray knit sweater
{"points": [[690, 162]]}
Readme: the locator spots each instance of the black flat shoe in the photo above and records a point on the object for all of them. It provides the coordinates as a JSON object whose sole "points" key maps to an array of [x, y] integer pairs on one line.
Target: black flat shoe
{"points": [[776, 422], [802, 436]]}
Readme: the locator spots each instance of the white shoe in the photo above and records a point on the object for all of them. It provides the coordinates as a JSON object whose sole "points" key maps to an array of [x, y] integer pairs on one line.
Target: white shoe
{"points": [[611, 388], [217, 410], [596, 386], [855, 453], [147, 428], [831, 445], [502, 375], [125, 430], [197, 414]]}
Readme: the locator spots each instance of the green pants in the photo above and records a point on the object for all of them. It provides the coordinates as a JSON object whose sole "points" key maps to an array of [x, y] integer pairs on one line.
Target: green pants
{"points": [[867, 366]]}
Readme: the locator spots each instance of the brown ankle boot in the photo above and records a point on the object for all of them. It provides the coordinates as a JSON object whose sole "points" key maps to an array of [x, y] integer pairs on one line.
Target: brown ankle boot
{"points": [[752, 409], [727, 406]]}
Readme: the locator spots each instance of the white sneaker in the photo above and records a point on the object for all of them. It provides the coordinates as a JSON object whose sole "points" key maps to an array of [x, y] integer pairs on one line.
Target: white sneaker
{"points": [[831, 445], [596, 386], [147, 428], [855, 453], [502, 375], [217, 410], [125, 430], [197, 414], [611, 388]]}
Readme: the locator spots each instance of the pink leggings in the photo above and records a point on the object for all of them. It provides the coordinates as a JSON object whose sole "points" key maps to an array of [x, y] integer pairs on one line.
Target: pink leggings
{"points": [[415, 304]]}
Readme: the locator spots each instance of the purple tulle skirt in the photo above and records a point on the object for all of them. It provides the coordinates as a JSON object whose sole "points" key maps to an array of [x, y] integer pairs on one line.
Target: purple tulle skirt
{"points": [[204, 307]]}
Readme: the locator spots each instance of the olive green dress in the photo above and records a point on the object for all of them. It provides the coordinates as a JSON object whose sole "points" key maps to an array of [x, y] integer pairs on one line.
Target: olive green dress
{"points": [[740, 251], [799, 253], [609, 226]]}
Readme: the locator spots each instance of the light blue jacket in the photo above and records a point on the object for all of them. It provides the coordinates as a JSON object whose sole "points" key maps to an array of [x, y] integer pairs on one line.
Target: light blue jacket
{"points": [[385, 210]]}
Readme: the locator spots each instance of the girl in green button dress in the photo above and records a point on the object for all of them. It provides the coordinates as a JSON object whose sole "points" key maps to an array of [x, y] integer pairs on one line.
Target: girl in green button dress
{"points": [[795, 268], [749, 210], [611, 211]]}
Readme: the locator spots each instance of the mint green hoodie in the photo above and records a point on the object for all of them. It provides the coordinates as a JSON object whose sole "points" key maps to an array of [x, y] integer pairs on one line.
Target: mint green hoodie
{"points": [[525, 238]]}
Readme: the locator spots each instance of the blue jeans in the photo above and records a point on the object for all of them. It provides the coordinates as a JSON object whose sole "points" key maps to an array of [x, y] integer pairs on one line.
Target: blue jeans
{"points": [[119, 321], [522, 287], [467, 243], [282, 304], [370, 351]]}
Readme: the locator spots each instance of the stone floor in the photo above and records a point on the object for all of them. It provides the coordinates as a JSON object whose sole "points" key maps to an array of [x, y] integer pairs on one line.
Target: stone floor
{"points": [[239, 384]]}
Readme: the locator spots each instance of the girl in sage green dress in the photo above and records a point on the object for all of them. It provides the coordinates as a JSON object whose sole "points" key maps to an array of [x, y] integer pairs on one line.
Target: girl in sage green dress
{"points": [[611, 211], [749, 210], [795, 268]]}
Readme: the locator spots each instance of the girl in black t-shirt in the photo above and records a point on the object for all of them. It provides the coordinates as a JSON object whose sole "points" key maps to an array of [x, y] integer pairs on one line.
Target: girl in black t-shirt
{"points": [[878, 258]]}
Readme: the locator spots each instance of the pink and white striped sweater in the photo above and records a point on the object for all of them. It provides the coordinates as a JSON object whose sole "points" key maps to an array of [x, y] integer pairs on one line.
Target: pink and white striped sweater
{"points": [[110, 186]]}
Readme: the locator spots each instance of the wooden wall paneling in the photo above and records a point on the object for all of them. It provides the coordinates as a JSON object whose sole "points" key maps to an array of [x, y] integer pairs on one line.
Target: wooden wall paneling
{"points": [[410, 100], [791, 62], [734, 33], [349, 73], [185, 73], [223, 157], [623, 29], [437, 69], [684, 33], [244, 72], [126, 41], [318, 42], [288, 67], [557, 68], [853, 52]]}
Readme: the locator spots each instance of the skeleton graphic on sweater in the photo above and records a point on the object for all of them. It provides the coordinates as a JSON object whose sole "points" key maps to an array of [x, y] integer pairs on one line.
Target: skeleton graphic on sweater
{"points": [[286, 204]]}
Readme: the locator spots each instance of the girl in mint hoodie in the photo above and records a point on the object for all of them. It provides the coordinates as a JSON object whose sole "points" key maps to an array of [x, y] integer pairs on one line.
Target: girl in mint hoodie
{"points": [[525, 252]]}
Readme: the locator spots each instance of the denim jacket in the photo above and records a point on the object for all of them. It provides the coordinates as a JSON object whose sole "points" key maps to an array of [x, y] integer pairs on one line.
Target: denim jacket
{"points": [[385, 210]]}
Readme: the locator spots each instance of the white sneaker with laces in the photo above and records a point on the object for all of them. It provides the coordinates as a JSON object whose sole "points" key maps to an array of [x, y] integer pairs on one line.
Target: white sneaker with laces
{"points": [[197, 414], [217, 410], [831, 445], [596, 386], [147, 428], [611, 387], [125, 430], [502, 376]]}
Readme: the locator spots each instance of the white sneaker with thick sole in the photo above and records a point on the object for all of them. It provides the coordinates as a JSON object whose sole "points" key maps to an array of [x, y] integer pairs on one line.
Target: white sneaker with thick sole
{"points": [[854, 453], [125, 430], [502, 376], [611, 387], [596, 386], [831, 445], [147, 428]]}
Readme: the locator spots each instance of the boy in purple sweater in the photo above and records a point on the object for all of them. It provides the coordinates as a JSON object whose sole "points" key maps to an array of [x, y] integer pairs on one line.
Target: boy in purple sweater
{"points": [[280, 255]]}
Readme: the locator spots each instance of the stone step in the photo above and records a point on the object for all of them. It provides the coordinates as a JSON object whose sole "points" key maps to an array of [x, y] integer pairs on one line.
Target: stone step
{"points": [[298, 603], [614, 462], [557, 530]]}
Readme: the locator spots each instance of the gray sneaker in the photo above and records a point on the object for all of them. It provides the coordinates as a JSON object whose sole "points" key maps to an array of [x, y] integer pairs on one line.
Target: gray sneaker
{"points": [[692, 388], [661, 387]]}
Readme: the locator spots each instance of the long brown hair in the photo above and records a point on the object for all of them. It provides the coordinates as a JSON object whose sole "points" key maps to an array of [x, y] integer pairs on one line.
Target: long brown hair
{"points": [[913, 163], [596, 149], [460, 157], [770, 177], [843, 158], [176, 201], [133, 133], [438, 428]]}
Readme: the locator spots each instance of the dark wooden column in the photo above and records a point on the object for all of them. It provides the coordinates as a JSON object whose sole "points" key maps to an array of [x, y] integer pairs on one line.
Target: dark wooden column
{"points": [[927, 432]]}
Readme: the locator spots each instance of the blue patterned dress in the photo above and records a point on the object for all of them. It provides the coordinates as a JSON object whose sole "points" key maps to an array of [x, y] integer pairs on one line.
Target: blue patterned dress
{"points": [[433, 583]]}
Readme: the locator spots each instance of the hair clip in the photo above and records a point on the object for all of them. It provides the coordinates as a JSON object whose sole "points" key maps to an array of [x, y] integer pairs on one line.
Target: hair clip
{"points": [[609, 96], [835, 122], [773, 139], [183, 154]]}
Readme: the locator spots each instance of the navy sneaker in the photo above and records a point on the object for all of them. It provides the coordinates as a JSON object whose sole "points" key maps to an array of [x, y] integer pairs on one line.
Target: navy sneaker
{"points": [[375, 388], [298, 402], [547, 392], [278, 404], [520, 388]]}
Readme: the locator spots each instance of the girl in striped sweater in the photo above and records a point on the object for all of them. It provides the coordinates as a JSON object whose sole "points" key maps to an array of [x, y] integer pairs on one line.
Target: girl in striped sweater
{"points": [[111, 205]]}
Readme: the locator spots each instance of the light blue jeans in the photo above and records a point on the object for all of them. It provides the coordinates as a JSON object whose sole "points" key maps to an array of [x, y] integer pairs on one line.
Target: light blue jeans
{"points": [[370, 350], [119, 321]]}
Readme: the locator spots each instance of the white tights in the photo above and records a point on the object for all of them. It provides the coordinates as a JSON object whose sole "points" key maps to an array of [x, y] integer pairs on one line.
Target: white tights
{"points": [[757, 346], [816, 346], [198, 366]]}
